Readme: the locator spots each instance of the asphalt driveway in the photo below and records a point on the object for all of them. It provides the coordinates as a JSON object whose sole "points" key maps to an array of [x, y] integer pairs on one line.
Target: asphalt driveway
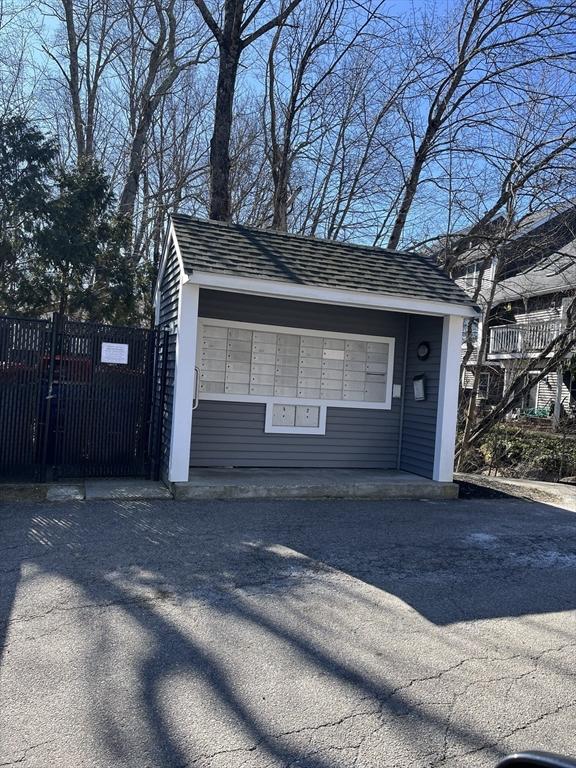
{"points": [[318, 634]]}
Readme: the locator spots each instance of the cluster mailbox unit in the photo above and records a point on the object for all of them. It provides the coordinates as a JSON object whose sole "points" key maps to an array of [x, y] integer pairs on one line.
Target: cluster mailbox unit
{"points": [[289, 351]]}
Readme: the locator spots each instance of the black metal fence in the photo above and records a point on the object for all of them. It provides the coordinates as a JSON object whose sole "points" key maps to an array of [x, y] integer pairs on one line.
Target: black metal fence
{"points": [[79, 400]]}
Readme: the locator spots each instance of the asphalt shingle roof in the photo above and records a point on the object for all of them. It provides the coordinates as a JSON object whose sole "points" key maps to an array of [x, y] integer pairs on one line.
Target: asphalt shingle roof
{"points": [[555, 274], [231, 249]]}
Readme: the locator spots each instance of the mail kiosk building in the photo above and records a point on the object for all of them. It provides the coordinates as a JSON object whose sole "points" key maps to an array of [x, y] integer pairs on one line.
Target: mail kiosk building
{"points": [[290, 351]]}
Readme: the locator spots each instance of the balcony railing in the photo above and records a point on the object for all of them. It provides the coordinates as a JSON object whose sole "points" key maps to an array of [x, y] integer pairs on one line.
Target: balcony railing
{"points": [[525, 338]]}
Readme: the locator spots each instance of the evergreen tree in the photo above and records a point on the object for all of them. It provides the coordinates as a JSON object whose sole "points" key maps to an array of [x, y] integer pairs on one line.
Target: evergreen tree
{"points": [[80, 266], [26, 167]]}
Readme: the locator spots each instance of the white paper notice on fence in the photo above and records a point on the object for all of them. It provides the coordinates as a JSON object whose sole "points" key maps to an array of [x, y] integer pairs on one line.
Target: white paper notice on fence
{"points": [[114, 353]]}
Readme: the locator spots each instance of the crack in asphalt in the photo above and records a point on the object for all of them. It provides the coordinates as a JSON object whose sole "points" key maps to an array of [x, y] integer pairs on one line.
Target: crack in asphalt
{"points": [[28, 749], [378, 711]]}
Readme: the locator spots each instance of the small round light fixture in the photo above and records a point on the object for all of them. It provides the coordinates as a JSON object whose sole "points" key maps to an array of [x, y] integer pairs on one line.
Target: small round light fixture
{"points": [[423, 350]]}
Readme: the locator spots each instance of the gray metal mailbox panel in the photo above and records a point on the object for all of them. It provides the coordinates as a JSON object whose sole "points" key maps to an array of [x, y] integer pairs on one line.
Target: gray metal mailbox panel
{"points": [[283, 415], [260, 357], [355, 350], [215, 332], [308, 381], [311, 392], [354, 375], [214, 387], [285, 391], [239, 333], [316, 342], [241, 347], [264, 337], [213, 376], [213, 365], [266, 363], [264, 373], [330, 343], [287, 341], [261, 389], [307, 416], [355, 365], [237, 378], [233, 388], [310, 362], [217, 343], [329, 374], [353, 395], [237, 367]]}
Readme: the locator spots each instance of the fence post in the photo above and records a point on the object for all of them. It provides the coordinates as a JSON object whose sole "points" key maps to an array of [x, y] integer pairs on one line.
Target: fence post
{"points": [[49, 426], [158, 407]]}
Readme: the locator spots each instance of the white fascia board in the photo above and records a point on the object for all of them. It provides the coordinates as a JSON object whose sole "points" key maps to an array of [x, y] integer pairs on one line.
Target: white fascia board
{"points": [[183, 275], [323, 295], [168, 239], [159, 276]]}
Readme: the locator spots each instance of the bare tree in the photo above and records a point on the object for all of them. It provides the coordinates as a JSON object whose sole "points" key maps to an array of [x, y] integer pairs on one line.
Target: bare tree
{"points": [[90, 41], [331, 119], [163, 43], [496, 49], [18, 79], [239, 30], [311, 55]]}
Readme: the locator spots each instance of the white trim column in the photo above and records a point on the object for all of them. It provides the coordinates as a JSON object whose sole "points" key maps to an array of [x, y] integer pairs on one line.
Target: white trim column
{"points": [[558, 397], [448, 391], [184, 374]]}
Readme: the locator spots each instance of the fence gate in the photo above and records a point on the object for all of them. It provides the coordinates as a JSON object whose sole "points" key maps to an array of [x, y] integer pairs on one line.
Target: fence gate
{"points": [[24, 351], [77, 400]]}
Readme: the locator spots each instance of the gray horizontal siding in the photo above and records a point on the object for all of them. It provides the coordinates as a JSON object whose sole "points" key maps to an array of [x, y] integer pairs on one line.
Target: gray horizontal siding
{"points": [[232, 434], [168, 313], [300, 314], [169, 289], [419, 423]]}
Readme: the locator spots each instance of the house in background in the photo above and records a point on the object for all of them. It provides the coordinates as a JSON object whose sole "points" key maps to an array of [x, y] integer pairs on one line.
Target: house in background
{"points": [[524, 292], [293, 352]]}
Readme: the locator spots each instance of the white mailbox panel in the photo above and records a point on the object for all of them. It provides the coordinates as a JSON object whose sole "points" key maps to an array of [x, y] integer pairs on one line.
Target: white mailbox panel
{"points": [[274, 365]]}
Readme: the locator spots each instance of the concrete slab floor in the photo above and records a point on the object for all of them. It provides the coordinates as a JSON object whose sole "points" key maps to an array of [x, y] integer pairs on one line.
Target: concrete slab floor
{"points": [[300, 483]]}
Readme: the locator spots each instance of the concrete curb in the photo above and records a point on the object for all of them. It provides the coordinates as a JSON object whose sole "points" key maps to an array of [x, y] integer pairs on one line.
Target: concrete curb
{"points": [[219, 489], [375, 491], [89, 490]]}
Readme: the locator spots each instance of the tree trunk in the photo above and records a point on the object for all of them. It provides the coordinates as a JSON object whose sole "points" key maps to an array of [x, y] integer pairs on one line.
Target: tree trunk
{"points": [[280, 175], [229, 56], [74, 78], [130, 189]]}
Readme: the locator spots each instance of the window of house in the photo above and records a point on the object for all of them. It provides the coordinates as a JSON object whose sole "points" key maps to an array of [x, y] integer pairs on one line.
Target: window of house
{"points": [[483, 385], [470, 276], [470, 326], [296, 372]]}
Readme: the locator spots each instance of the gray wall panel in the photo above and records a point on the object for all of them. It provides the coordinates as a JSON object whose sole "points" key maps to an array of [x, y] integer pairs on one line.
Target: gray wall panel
{"points": [[419, 424], [232, 434], [168, 298]]}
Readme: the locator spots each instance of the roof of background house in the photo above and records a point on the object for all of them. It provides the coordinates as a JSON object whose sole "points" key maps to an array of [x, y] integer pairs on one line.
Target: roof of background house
{"points": [[538, 235], [231, 249], [557, 274]]}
